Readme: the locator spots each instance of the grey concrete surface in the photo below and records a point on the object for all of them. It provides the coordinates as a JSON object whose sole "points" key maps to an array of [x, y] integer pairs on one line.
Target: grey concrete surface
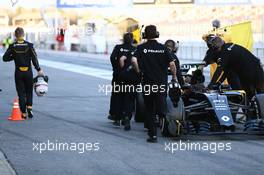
{"points": [[75, 112], [5, 167]]}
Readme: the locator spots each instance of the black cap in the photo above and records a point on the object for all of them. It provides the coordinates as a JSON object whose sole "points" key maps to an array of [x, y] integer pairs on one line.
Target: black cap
{"points": [[150, 32], [216, 23], [128, 38]]}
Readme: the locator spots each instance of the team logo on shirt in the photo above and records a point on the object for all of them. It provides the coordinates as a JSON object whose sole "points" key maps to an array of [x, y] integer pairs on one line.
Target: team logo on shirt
{"points": [[124, 50], [230, 48], [153, 51], [219, 61]]}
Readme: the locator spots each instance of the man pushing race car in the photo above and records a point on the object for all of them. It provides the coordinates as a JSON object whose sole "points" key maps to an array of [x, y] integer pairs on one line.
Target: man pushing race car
{"points": [[242, 69], [239, 66]]}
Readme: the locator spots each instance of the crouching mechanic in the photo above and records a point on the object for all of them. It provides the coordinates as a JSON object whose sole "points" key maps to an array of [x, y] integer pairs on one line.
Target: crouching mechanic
{"points": [[152, 60], [23, 53]]}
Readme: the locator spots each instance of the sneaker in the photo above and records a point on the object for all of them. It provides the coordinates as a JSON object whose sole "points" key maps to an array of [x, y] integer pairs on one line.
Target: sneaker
{"points": [[152, 139], [30, 113], [123, 122], [24, 116], [111, 117], [116, 123], [127, 126]]}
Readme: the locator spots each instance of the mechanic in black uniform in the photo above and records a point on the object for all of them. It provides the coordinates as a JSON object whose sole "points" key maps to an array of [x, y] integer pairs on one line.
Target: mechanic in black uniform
{"points": [[172, 48], [23, 53], [152, 59], [113, 111], [124, 49], [129, 79], [237, 61], [211, 58]]}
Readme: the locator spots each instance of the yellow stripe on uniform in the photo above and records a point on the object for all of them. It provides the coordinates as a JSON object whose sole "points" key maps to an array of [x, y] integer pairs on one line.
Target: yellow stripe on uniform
{"points": [[220, 76], [23, 69]]}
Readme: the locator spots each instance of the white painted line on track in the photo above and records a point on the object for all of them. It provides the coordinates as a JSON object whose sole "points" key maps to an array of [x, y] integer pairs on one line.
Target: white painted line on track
{"points": [[94, 72], [84, 70]]}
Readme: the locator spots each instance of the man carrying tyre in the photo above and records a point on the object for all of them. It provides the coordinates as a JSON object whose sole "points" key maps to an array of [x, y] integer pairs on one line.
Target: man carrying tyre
{"points": [[152, 60]]}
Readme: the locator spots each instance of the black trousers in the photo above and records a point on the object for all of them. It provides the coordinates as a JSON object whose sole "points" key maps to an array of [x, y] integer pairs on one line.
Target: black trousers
{"points": [[127, 104], [251, 87], [24, 87], [114, 99], [155, 104], [233, 80]]}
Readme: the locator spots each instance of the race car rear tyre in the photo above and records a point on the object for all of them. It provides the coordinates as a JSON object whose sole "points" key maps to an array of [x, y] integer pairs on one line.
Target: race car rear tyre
{"points": [[140, 108], [172, 124], [260, 105]]}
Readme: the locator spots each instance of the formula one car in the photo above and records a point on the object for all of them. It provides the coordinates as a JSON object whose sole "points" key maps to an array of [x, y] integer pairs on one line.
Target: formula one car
{"points": [[214, 111], [201, 110]]}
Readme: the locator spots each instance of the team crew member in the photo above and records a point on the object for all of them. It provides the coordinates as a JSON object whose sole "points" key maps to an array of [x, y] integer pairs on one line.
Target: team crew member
{"points": [[23, 53], [128, 77], [172, 48], [113, 99], [239, 62], [153, 59], [124, 49], [211, 57]]}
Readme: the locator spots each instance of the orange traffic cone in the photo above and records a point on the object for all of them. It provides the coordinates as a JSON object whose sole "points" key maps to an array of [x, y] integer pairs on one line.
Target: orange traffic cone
{"points": [[16, 113]]}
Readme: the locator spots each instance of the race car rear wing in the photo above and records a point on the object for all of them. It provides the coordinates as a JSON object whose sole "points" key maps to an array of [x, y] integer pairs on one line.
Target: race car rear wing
{"points": [[186, 67]]}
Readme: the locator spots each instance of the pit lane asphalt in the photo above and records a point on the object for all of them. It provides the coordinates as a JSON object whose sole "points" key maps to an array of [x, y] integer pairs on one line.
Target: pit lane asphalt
{"points": [[74, 112]]}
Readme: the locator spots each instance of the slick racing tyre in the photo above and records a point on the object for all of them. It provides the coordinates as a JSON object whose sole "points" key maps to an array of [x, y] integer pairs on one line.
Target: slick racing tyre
{"points": [[259, 103], [172, 125], [140, 108]]}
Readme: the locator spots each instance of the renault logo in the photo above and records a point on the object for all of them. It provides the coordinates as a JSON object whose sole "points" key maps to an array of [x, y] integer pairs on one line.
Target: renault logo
{"points": [[225, 118]]}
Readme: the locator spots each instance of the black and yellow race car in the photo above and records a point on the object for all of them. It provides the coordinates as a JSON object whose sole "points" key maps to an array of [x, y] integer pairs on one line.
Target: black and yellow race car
{"points": [[199, 110]]}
